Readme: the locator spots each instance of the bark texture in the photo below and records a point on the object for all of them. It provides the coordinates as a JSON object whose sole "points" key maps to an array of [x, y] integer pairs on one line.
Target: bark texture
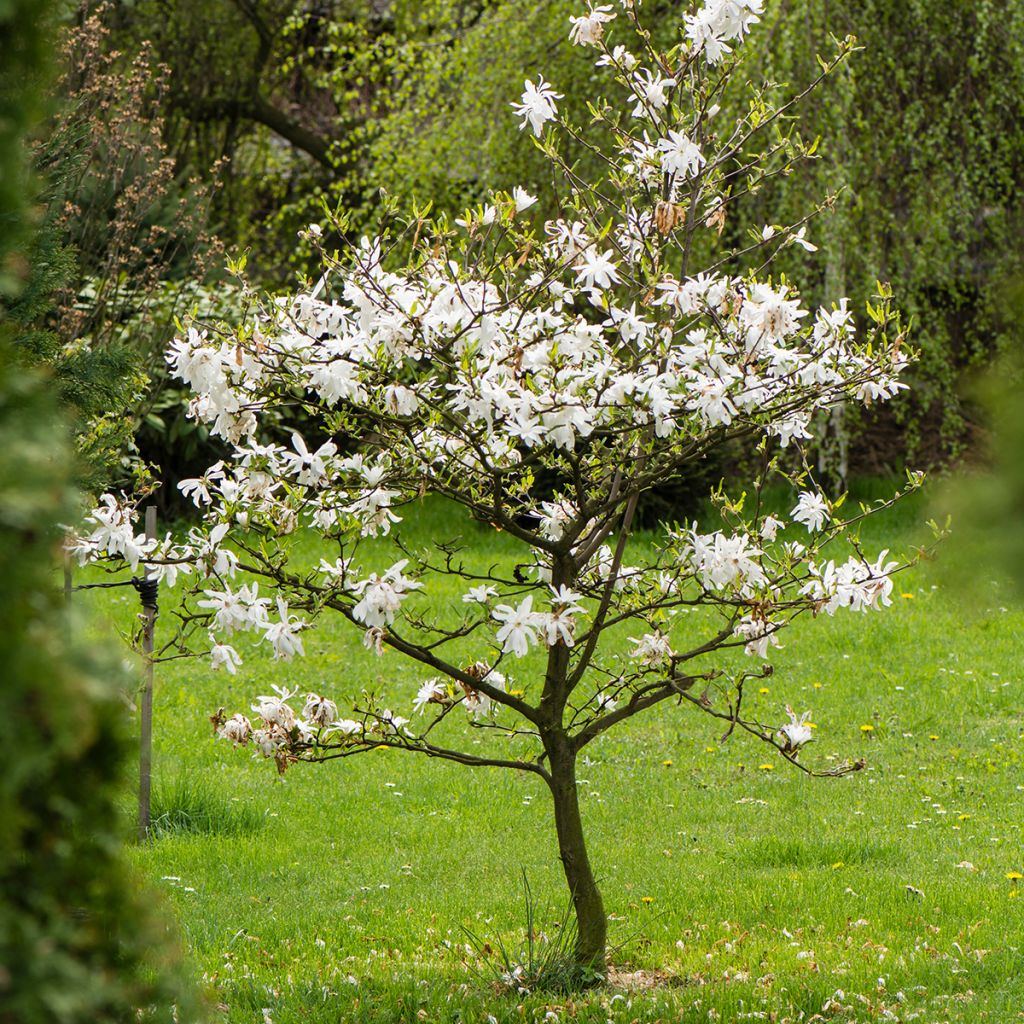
{"points": [[592, 925]]}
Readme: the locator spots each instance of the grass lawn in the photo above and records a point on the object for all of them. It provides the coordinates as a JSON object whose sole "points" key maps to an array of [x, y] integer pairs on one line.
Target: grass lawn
{"points": [[341, 893]]}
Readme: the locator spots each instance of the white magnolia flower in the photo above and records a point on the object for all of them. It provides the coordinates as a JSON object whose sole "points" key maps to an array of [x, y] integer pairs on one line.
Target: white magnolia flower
{"points": [[382, 596], [309, 467], [799, 239], [795, 733], [275, 709], [588, 29], [651, 91], [679, 155], [718, 23], [347, 727], [400, 400], [760, 634], [233, 611], [433, 691], [338, 570], [238, 729], [224, 656], [651, 648], [770, 528], [554, 516], [114, 534], [812, 510], [522, 199], [319, 710], [518, 630], [557, 627], [198, 489], [726, 562], [619, 57], [596, 271], [389, 720], [479, 595], [858, 584], [477, 703], [283, 635], [537, 106], [566, 599], [373, 640]]}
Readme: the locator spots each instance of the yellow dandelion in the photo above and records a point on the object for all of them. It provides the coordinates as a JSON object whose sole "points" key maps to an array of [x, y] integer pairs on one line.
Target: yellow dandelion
{"points": [[962, 817], [838, 864], [646, 899], [817, 686], [811, 725], [933, 737], [710, 750], [907, 597], [764, 689], [867, 728], [766, 767], [1014, 876], [516, 693], [667, 764]]}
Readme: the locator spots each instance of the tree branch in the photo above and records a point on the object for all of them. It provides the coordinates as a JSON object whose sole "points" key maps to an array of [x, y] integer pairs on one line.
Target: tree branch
{"points": [[421, 747], [255, 107]]}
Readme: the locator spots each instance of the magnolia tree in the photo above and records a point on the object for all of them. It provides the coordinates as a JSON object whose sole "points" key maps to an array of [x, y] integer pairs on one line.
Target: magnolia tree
{"points": [[607, 349]]}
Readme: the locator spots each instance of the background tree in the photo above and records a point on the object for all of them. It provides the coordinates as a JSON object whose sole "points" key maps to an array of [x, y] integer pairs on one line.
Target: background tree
{"points": [[609, 349], [933, 83]]}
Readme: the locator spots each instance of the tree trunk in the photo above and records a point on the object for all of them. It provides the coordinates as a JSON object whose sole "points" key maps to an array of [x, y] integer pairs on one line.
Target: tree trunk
{"points": [[592, 925]]}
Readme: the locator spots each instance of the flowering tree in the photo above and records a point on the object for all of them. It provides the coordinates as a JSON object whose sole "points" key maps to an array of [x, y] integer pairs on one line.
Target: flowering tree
{"points": [[607, 350]]}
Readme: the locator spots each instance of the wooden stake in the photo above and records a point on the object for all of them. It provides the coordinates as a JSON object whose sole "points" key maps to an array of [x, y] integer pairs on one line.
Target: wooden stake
{"points": [[146, 718]]}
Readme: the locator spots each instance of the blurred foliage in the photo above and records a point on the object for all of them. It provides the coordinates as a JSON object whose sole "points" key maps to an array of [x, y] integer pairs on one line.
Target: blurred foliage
{"points": [[80, 943], [984, 501], [925, 133], [24, 44], [121, 237]]}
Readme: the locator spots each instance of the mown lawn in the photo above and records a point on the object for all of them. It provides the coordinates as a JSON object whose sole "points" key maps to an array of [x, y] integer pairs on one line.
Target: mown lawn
{"points": [[341, 893]]}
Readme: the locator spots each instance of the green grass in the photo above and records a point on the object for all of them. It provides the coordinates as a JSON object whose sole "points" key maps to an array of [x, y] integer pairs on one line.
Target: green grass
{"points": [[757, 891], [190, 804]]}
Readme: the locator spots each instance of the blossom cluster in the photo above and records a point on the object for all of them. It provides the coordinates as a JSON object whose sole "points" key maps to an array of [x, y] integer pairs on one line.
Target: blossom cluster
{"points": [[719, 23], [585, 348], [522, 627], [511, 378], [280, 730]]}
